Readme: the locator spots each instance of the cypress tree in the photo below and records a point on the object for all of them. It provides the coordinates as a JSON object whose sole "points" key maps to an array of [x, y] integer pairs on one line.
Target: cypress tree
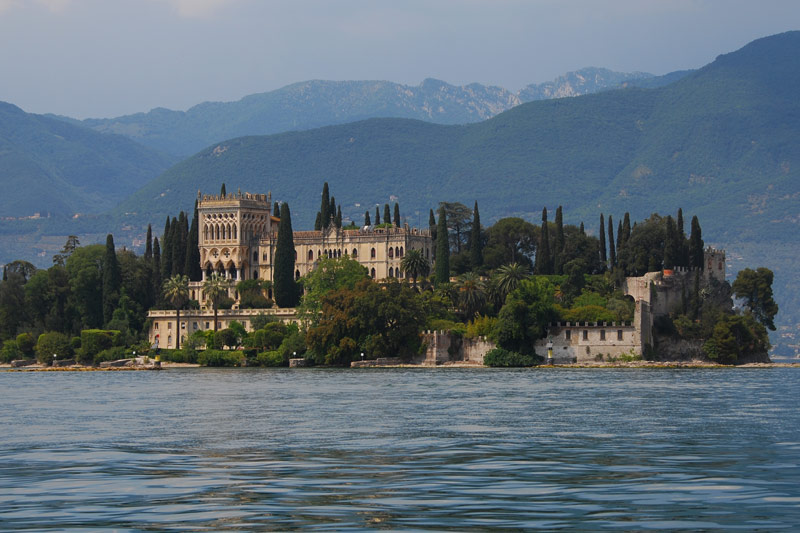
{"points": [[148, 246], [619, 236], [332, 211], [367, 221], [475, 242], [338, 220], [222, 191], [582, 229], [612, 252], [377, 216], [192, 267], [276, 209], [683, 256], [155, 285], [671, 248], [387, 215], [112, 280], [544, 258], [603, 257], [442, 251], [318, 222], [626, 230], [696, 245], [397, 214], [558, 247], [432, 225], [325, 207], [180, 233], [285, 287], [166, 257]]}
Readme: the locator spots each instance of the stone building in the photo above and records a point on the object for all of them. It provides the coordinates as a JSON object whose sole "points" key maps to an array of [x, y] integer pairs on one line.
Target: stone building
{"points": [[237, 238]]}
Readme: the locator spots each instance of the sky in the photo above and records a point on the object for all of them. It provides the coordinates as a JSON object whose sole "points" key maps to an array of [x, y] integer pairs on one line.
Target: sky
{"points": [[105, 58]]}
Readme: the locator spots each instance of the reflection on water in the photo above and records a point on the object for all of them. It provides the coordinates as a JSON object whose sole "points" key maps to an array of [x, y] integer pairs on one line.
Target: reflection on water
{"points": [[401, 449]]}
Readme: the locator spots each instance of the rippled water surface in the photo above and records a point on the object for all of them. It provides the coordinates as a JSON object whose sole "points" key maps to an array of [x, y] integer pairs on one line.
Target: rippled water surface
{"points": [[204, 449]]}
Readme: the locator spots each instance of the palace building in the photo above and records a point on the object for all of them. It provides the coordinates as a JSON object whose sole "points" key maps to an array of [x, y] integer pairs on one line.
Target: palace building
{"points": [[237, 238]]}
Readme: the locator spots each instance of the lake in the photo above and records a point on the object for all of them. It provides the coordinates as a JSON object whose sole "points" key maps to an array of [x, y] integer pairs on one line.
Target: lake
{"points": [[457, 449]]}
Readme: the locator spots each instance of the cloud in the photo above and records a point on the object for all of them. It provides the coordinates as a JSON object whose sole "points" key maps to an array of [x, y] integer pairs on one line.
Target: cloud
{"points": [[196, 8]]}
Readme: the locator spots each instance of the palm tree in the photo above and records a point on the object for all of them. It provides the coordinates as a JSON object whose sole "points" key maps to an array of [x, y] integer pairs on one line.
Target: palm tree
{"points": [[508, 278], [176, 291], [215, 288], [415, 265], [471, 293]]}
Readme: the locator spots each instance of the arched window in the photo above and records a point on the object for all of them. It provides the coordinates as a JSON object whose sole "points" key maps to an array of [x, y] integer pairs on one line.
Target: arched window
{"points": [[401, 252], [372, 273], [296, 275], [397, 252], [216, 231], [205, 232], [391, 272], [310, 255], [255, 256], [391, 253], [234, 231], [295, 256], [372, 256], [355, 252]]}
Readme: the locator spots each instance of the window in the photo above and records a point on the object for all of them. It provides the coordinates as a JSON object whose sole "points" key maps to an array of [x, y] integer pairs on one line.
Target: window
{"points": [[372, 273], [169, 325], [602, 334], [194, 325], [391, 253], [391, 272], [619, 334], [156, 328], [355, 252], [183, 325], [372, 255], [208, 325], [586, 334], [310, 255], [568, 334]]}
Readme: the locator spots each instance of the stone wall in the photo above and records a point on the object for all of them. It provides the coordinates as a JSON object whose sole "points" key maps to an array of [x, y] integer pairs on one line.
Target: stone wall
{"points": [[587, 342], [444, 347]]}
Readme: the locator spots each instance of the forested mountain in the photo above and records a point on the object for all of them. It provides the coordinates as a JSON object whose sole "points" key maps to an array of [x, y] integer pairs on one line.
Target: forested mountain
{"points": [[49, 166], [316, 103]]}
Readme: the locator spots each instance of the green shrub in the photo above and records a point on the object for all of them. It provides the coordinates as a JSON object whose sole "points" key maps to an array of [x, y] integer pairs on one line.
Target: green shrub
{"points": [[442, 324], [110, 354], [53, 342], [10, 352], [482, 326], [273, 359], [506, 358], [220, 358], [26, 344], [94, 341]]}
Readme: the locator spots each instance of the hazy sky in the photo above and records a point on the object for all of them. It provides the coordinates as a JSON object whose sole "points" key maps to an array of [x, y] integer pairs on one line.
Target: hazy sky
{"points": [[103, 58]]}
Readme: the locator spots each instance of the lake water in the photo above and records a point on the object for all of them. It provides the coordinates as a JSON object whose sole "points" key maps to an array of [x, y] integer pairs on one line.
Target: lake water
{"points": [[458, 449]]}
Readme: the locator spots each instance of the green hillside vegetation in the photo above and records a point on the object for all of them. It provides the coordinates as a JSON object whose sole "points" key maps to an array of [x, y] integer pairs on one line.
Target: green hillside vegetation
{"points": [[49, 166]]}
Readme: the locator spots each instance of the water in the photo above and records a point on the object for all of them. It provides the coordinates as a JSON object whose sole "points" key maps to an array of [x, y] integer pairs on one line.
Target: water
{"points": [[455, 449]]}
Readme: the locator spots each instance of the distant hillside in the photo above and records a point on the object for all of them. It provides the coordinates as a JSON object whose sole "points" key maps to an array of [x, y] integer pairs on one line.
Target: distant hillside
{"points": [[49, 166], [312, 104], [721, 142]]}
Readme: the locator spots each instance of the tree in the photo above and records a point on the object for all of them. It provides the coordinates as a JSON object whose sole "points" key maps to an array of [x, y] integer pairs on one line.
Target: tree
{"points": [[696, 254], [286, 293], [415, 264], [508, 278], [53, 343], [338, 219], [155, 282], [544, 257], [471, 294], [755, 288], [112, 279], [222, 191], [166, 255], [377, 216], [510, 240], [329, 275], [215, 289], [367, 221], [671, 244], [432, 225], [397, 214], [525, 315], [192, 267], [442, 250], [69, 247], [612, 252], [458, 218], [475, 240], [176, 291], [331, 213], [276, 209], [603, 256], [387, 216], [558, 244]]}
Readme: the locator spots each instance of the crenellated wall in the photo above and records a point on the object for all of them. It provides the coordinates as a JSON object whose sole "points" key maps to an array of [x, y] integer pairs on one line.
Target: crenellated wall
{"points": [[444, 347]]}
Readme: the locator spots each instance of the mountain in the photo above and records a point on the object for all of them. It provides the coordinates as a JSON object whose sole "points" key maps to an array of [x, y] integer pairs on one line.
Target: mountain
{"points": [[720, 142], [312, 104], [49, 166]]}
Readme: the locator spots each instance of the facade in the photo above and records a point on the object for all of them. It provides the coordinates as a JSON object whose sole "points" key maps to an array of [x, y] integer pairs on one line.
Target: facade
{"points": [[237, 238]]}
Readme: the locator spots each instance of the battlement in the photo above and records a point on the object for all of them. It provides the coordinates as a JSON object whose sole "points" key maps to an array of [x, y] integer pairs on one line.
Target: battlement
{"points": [[237, 199]]}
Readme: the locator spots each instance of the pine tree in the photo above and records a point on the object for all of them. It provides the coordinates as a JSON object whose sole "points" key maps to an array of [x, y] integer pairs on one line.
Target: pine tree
{"points": [[377, 216], [222, 191], [192, 267], [696, 253], [325, 207], [112, 280], [603, 257], [442, 250], [155, 285], [544, 258], [367, 221], [558, 247], [612, 251], [387, 215], [286, 293], [397, 214], [475, 241]]}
